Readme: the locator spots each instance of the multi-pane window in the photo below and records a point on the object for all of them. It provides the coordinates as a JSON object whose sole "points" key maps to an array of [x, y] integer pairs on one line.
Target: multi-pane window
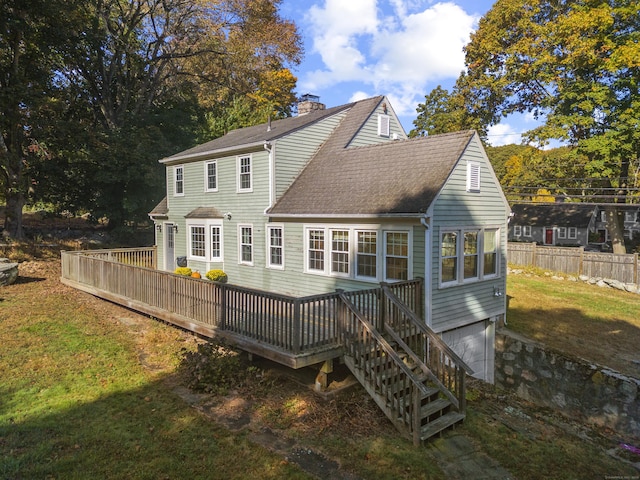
{"points": [[244, 174], [246, 244], [276, 246], [397, 256], [468, 255], [562, 232], [366, 256], [449, 255], [517, 231], [526, 231], [216, 242], [573, 233], [211, 176], [340, 251], [316, 250], [178, 176], [197, 238], [490, 251]]}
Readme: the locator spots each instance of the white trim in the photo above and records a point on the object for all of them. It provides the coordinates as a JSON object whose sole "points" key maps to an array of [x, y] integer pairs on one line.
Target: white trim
{"points": [[175, 180], [190, 227], [210, 226], [206, 176], [473, 177], [241, 244], [460, 256], [239, 173], [273, 226], [384, 125]]}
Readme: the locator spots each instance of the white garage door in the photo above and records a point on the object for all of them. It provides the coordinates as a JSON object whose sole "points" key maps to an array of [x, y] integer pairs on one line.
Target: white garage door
{"points": [[475, 344]]}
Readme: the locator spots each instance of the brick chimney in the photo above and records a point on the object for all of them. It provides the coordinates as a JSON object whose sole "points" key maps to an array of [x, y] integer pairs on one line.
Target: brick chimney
{"points": [[309, 103]]}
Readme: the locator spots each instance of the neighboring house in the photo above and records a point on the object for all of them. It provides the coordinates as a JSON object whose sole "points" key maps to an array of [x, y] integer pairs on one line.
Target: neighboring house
{"points": [[631, 224], [562, 224], [339, 199]]}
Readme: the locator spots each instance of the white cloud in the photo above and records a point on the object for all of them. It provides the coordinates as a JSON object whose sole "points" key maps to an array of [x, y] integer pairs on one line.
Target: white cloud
{"points": [[394, 47], [502, 134]]}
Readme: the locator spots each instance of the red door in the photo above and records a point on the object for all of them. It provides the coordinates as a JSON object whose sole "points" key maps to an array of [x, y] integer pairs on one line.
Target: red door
{"points": [[548, 236]]}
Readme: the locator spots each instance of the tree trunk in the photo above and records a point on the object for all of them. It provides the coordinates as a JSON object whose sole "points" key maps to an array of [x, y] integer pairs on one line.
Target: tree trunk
{"points": [[615, 227], [14, 196]]}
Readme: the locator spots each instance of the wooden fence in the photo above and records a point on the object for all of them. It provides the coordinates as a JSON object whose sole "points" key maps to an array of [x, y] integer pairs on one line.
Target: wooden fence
{"points": [[575, 261]]}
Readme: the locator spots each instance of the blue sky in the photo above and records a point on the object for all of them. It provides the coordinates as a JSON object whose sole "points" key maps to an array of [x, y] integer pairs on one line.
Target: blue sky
{"points": [[356, 49]]}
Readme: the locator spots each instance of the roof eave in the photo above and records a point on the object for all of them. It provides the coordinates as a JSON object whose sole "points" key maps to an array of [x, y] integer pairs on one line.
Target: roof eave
{"points": [[210, 153], [346, 215]]}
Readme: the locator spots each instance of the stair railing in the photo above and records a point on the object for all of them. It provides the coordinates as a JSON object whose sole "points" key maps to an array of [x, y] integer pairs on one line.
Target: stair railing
{"points": [[426, 349], [366, 346]]}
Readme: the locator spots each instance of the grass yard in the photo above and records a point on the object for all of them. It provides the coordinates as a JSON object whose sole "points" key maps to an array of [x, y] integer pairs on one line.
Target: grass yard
{"points": [[601, 325], [90, 390]]}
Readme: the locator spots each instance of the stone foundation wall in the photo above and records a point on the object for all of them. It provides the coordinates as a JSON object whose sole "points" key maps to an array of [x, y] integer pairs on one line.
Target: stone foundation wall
{"points": [[574, 387]]}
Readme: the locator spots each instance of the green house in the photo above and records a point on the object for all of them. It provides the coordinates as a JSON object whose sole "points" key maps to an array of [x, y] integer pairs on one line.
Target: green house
{"points": [[340, 198]]}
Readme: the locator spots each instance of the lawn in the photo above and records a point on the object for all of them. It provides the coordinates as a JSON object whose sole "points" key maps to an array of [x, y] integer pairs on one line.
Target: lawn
{"points": [[599, 324], [89, 390]]}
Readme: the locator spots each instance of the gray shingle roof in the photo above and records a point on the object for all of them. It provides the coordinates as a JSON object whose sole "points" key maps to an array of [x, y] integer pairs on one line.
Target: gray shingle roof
{"points": [[399, 177], [553, 214], [204, 212], [160, 210], [258, 134]]}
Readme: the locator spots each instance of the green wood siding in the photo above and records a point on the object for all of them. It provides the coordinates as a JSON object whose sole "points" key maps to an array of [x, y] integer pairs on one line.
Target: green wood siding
{"points": [[368, 134], [294, 151], [458, 305]]}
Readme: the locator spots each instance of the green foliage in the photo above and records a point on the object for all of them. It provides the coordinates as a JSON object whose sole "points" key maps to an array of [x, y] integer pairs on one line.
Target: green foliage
{"points": [[214, 367], [186, 271], [217, 276]]}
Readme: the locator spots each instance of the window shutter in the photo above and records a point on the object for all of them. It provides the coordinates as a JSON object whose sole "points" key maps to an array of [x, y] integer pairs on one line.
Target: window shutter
{"points": [[384, 122], [473, 177]]}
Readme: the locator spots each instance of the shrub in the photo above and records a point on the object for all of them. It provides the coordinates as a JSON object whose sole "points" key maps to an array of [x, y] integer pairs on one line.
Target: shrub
{"points": [[186, 271], [217, 276]]}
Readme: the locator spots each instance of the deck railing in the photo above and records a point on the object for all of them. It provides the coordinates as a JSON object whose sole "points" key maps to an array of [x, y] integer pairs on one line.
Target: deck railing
{"points": [[296, 325]]}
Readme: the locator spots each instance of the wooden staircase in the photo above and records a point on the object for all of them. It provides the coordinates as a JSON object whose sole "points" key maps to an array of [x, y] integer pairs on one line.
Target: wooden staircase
{"points": [[411, 374]]}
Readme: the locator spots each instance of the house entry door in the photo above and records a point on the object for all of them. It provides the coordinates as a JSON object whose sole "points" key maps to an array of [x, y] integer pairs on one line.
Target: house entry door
{"points": [[548, 236], [169, 248]]}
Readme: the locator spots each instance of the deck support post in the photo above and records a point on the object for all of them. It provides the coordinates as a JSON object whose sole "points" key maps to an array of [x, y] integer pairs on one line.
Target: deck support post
{"points": [[322, 379]]}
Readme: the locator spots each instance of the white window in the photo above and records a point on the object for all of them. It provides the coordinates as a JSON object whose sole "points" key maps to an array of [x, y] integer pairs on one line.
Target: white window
{"points": [[315, 250], [275, 246], [245, 180], [630, 217], [468, 255], [178, 180], [215, 237], [340, 252], [197, 242], [384, 125], [396, 256], [572, 233], [211, 176], [245, 236], [526, 231], [562, 232], [473, 177], [449, 257], [490, 251], [517, 231], [367, 254]]}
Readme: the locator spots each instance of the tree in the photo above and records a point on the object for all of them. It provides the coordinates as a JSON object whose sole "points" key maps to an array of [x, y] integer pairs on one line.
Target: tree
{"points": [[444, 112], [575, 65], [28, 59]]}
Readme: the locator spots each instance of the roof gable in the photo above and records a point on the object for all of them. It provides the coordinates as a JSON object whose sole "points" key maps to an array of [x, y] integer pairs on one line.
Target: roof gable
{"points": [[399, 177]]}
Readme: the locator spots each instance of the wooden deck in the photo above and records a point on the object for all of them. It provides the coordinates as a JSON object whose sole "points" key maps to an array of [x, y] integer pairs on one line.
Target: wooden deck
{"points": [[294, 331], [415, 378]]}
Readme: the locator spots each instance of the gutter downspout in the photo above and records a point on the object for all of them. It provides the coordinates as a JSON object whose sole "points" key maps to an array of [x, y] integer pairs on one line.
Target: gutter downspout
{"points": [[269, 147], [425, 220]]}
